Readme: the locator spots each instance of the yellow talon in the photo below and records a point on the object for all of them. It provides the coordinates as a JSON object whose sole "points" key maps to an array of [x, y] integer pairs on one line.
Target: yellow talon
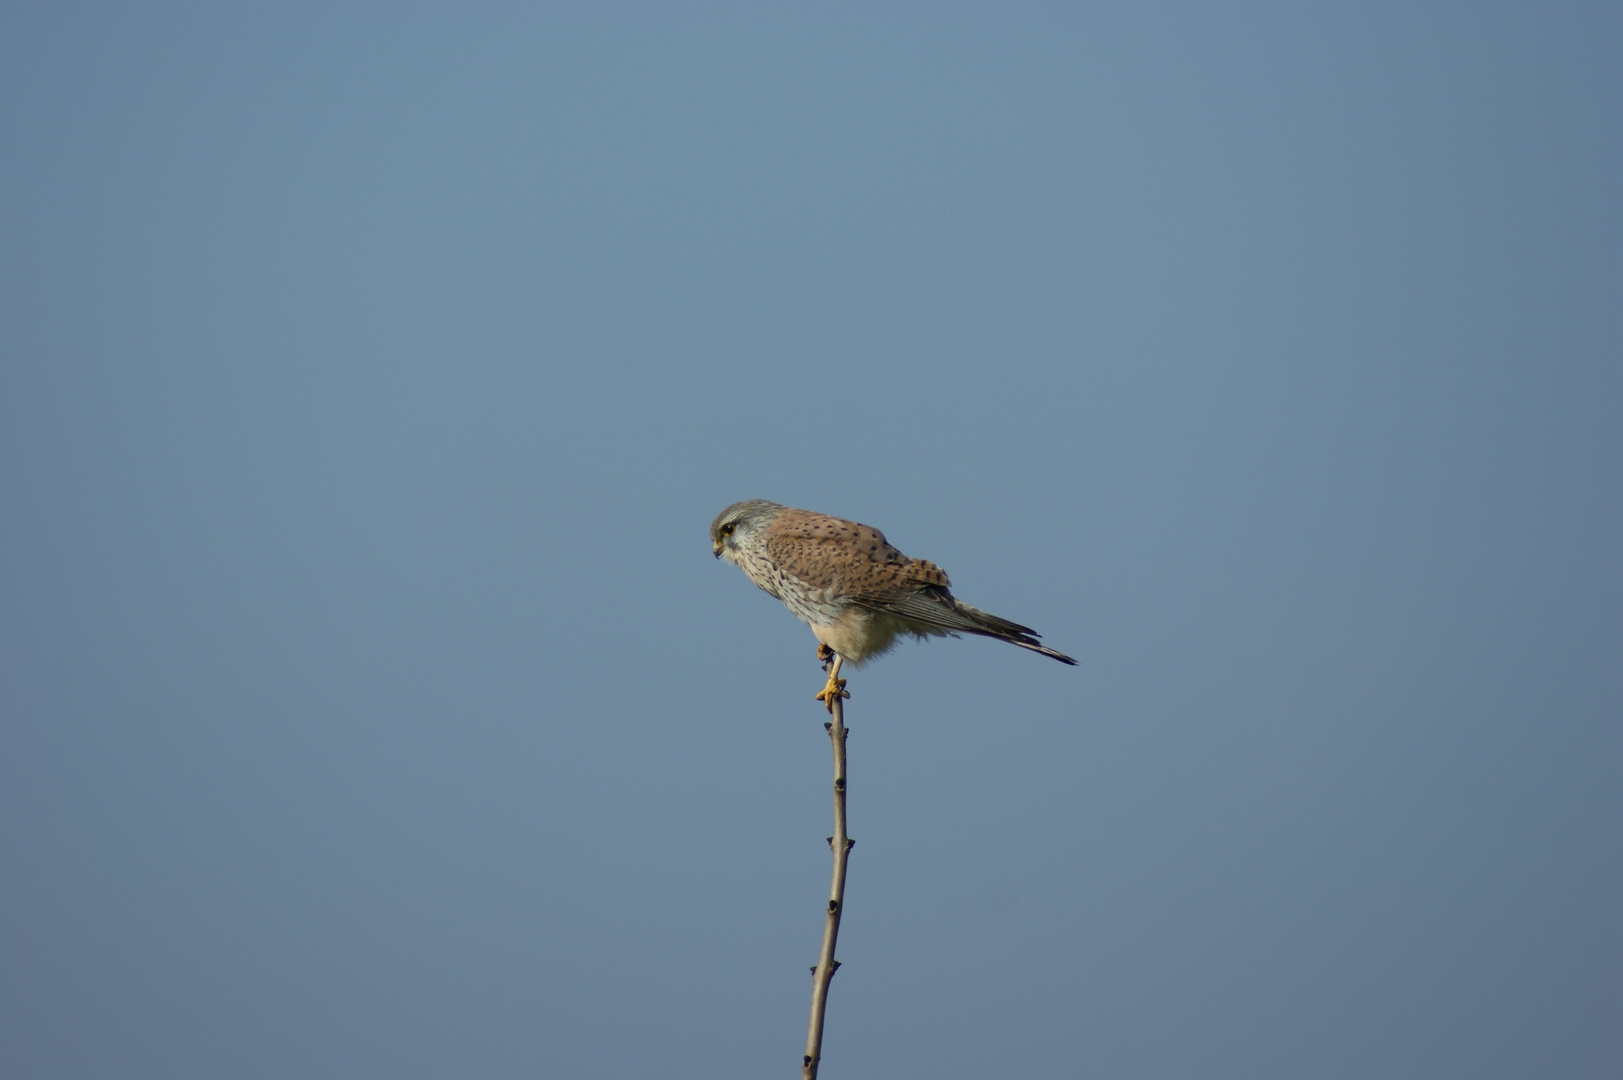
{"points": [[835, 690]]}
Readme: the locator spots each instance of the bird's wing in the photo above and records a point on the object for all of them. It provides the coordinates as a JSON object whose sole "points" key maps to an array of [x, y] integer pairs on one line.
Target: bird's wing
{"points": [[850, 558], [935, 606], [855, 562]]}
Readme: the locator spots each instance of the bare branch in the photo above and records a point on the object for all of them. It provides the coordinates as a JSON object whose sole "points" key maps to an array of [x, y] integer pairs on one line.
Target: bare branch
{"points": [[840, 845]]}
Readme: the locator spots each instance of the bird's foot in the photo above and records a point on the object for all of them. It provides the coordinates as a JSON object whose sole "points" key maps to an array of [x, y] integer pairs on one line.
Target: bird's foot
{"points": [[834, 691]]}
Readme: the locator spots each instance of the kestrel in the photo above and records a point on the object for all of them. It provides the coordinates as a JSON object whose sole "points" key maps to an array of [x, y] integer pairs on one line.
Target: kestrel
{"points": [[855, 591]]}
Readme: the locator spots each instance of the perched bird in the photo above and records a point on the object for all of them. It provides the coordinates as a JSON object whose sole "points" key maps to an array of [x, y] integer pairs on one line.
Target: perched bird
{"points": [[855, 591]]}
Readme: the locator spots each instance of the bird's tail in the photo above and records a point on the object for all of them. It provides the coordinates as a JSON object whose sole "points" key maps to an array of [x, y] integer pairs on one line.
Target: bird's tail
{"points": [[1012, 632], [1044, 649]]}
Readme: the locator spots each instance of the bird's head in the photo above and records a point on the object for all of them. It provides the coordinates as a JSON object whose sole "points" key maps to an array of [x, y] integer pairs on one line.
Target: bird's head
{"points": [[741, 524]]}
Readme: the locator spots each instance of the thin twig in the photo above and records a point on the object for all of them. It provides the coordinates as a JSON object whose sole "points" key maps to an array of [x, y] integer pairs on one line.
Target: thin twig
{"points": [[840, 844]]}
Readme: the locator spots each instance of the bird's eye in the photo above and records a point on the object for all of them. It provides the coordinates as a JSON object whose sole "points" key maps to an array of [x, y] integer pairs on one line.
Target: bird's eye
{"points": [[727, 530]]}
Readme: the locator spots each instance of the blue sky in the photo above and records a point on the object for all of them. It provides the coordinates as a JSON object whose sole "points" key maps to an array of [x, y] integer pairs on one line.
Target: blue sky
{"points": [[372, 705]]}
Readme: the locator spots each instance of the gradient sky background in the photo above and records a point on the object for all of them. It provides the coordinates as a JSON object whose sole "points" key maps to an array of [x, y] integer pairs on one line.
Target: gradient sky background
{"points": [[372, 705]]}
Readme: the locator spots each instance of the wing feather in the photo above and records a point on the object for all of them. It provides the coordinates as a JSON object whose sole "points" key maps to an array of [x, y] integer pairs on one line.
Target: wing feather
{"points": [[856, 562], [936, 607], [828, 552]]}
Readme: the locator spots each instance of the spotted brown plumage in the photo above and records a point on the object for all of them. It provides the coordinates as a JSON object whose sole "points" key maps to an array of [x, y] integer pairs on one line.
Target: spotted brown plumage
{"points": [[845, 581], [823, 551]]}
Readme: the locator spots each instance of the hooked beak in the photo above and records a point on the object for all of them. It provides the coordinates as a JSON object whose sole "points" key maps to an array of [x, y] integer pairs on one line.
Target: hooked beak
{"points": [[715, 546]]}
